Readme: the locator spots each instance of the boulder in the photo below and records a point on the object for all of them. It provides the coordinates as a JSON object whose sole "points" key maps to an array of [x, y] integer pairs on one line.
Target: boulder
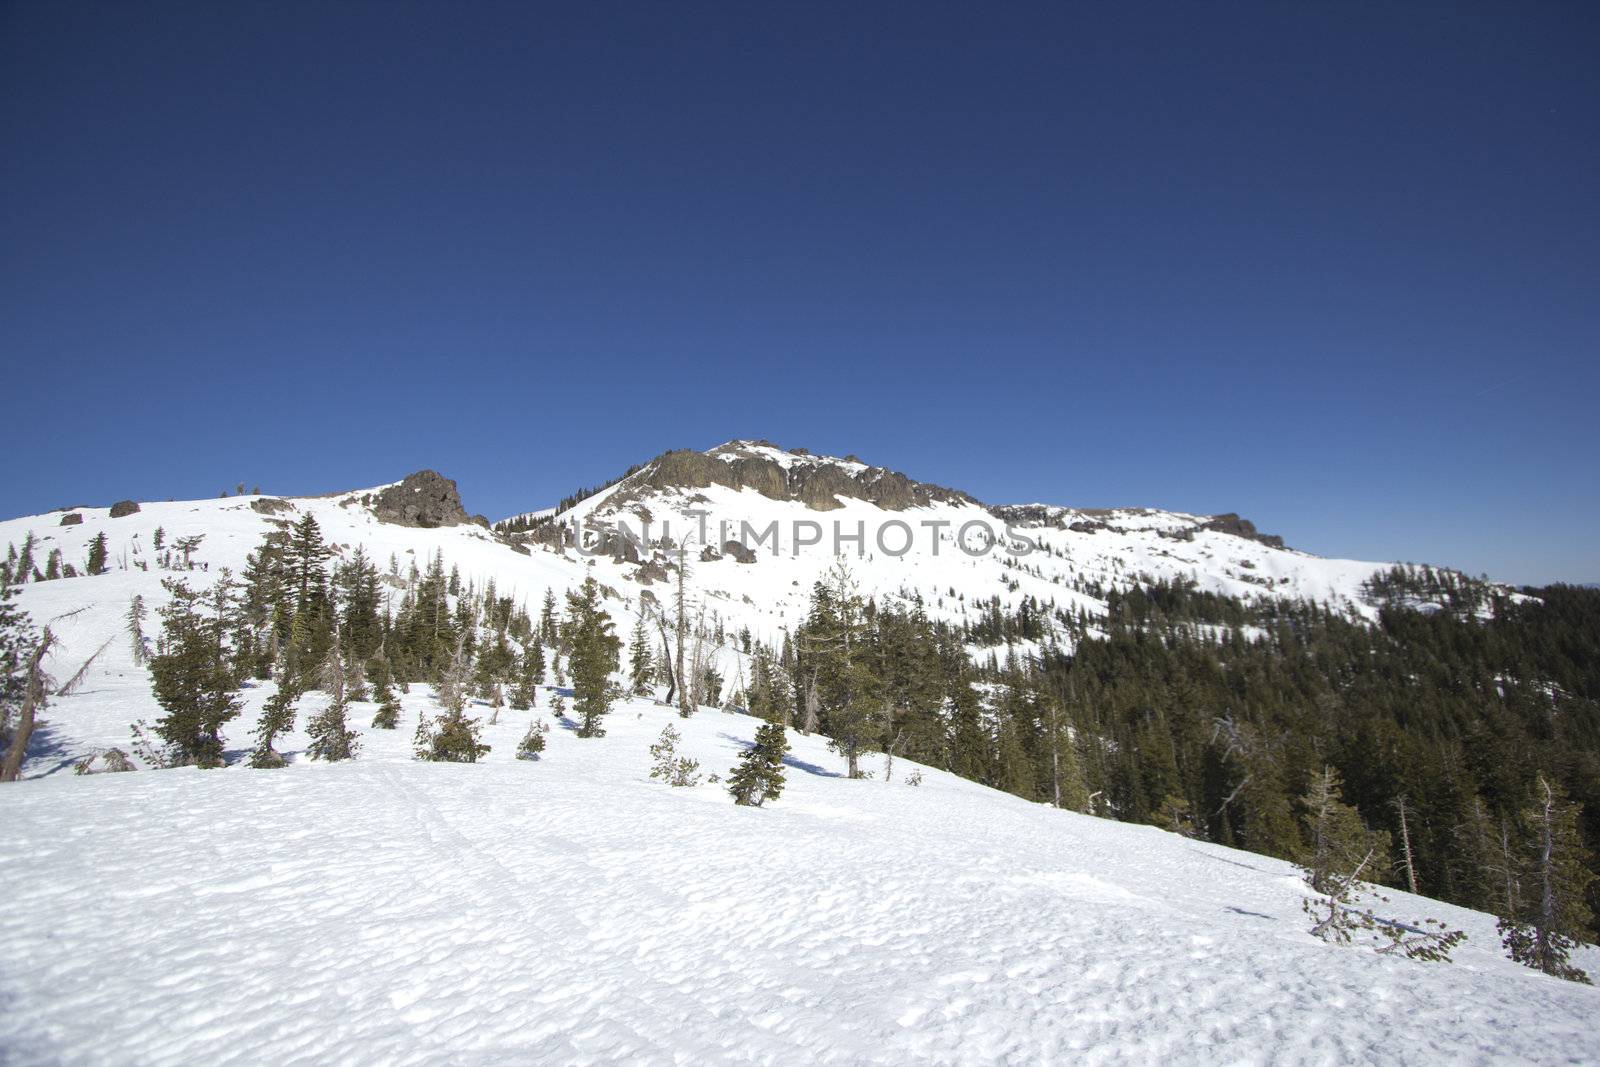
{"points": [[426, 499], [124, 508]]}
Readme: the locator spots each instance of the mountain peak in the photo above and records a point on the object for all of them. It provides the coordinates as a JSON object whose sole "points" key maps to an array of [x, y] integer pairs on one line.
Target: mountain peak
{"points": [[818, 482]]}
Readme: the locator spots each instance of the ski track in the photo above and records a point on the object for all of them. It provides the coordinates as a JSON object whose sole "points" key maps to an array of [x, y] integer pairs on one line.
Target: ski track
{"points": [[571, 910]]}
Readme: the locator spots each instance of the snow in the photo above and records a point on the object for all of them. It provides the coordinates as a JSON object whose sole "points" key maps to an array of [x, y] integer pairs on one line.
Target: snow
{"points": [[572, 910], [770, 596]]}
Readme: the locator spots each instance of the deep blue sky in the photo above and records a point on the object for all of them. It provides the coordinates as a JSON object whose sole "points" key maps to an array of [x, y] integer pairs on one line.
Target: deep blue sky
{"points": [[1333, 266]]}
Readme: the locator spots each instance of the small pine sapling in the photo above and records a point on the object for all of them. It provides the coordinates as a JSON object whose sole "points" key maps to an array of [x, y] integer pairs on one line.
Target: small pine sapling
{"points": [[533, 741], [276, 717], [759, 775], [670, 767], [330, 733]]}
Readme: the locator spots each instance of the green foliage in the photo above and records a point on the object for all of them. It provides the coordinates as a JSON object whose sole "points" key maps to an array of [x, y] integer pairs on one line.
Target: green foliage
{"points": [[387, 716], [276, 717], [1341, 857], [97, 554], [1554, 870], [667, 765], [593, 657], [641, 665], [533, 742], [193, 673], [330, 734], [758, 777], [451, 738]]}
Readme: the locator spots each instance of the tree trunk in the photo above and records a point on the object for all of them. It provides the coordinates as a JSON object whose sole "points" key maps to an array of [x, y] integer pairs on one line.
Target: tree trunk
{"points": [[11, 769], [684, 708], [1405, 845]]}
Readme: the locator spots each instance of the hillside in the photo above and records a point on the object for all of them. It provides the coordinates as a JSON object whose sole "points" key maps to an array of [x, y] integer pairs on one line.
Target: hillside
{"points": [[572, 910], [1149, 667]]}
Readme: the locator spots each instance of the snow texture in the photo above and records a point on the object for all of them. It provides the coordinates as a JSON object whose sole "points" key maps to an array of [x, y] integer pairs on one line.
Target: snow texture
{"points": [[572, 910]]}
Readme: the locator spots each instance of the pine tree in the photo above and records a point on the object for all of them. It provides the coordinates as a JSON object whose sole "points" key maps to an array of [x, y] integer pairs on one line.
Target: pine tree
{"points": [[22, 571], [668, 766], [276, 718], [1343, 855], [759, 775], [845, 689], [451, 738], [17, 642], [97, 554], [641, 666], [388, 714], [193, 676], [593, 657], [141, 644], [1553, 916], [330, 733], [530, 666], [532, 743]]}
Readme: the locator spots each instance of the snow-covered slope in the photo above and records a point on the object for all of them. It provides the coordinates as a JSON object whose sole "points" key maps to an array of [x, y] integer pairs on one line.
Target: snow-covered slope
{"points": [[572, 910], [575, 911], [901, 538]]}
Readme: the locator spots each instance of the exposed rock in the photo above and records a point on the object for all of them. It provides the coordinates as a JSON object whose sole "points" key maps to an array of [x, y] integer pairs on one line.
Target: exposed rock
{"points": [[71, 518], [124, 508], [1230, 523], [650, 572], [425, 499], [818, 484], [739, 551], [709, 555], [270, 505]]}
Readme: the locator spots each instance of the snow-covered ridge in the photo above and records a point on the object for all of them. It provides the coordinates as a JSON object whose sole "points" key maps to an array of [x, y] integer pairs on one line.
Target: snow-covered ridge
{"points": [[904, 546]]}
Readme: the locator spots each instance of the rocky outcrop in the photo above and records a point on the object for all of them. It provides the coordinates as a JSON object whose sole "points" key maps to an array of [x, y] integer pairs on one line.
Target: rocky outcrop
{"points": [[71, 518], [426, 499], [270, 505], [1230, 523], [818, 484], [738, 551], [123, 508]]}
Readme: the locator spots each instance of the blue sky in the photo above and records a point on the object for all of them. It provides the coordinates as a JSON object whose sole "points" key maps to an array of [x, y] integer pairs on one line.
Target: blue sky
{"points": [[1333, 266]]}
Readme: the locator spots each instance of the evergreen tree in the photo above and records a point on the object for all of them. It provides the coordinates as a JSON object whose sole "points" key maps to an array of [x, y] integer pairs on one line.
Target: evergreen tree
{"points": [[593, 658], [97, 554], [451, 738], [22, 572], [276, 718], [1343, 855], [641, 665], [330, 733], [834, 657], [388, 714], [136, 617], [667, 765], [1553, 916], [529, 668], [759, 775], [192, 674], [532, 743]]}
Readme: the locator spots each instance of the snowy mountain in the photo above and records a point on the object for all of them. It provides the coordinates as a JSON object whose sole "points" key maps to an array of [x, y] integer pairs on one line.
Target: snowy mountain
{"points": [[574, 910], [760, 526]]}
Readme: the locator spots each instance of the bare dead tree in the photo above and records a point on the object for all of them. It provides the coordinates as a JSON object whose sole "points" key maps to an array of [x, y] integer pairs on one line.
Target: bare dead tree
{"points": [[1405, 843], [76, 680]]}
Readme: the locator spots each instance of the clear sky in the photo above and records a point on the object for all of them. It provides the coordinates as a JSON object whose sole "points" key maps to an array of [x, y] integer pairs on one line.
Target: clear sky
{"points": [[1333, 266]]}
